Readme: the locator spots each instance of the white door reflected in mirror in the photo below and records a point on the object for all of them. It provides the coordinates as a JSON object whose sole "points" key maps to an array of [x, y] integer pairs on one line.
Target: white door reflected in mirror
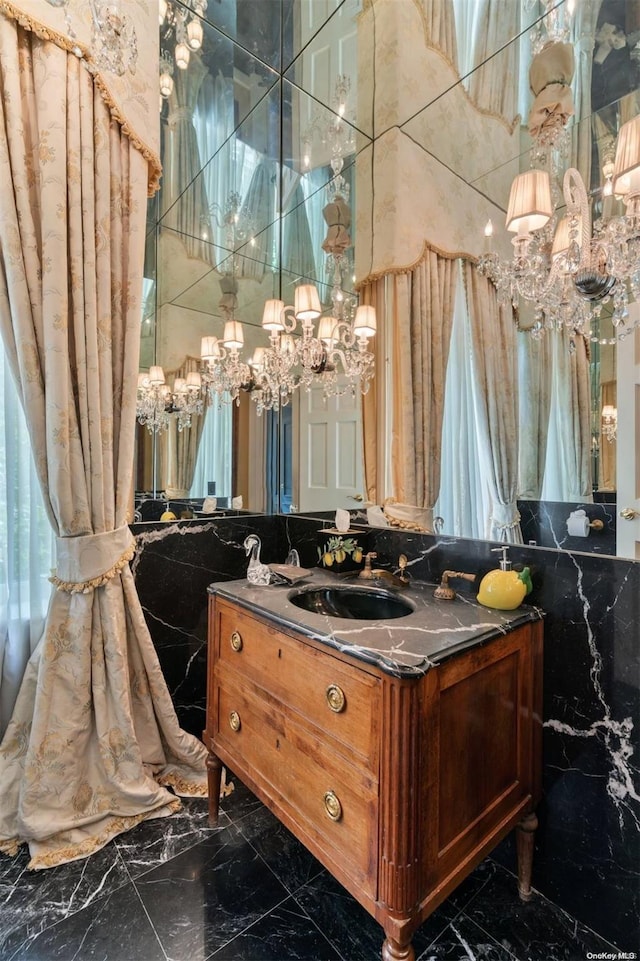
{"points": [[330, 450]]}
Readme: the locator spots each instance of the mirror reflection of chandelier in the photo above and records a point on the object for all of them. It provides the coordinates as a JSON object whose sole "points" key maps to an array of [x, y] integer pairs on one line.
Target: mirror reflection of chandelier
{"points": [[297, 355], [336, 355], [157, 402], [568, 268], [571, 277], [114, 44], [181, 29]]}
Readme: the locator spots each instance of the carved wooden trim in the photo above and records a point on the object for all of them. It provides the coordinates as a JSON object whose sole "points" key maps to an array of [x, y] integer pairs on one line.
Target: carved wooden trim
{"points": [[399, 869]]}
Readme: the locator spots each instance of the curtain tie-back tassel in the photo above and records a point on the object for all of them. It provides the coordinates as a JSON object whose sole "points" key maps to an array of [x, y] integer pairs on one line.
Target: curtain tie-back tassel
{"points": [[504, 517], [91, 560]]}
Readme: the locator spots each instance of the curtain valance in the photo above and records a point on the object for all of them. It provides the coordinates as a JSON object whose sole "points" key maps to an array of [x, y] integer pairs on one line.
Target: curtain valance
{"points": [[133, 97]]}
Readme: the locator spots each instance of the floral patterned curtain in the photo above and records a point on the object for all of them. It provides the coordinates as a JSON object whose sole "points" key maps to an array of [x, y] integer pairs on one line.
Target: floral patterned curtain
{"points": [[94, 740]]}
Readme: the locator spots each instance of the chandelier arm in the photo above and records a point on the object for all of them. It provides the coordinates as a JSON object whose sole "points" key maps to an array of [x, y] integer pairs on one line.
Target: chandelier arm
{"points": [[575, 195], [289, 320]]}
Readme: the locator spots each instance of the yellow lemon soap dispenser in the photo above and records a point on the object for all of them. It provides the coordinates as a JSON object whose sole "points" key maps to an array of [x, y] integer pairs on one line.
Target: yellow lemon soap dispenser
{"points": [[504, 589]]}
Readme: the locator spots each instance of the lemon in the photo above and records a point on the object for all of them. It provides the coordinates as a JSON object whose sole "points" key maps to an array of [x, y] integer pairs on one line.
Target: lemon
{"points": [[168, 516], [327, 559]]}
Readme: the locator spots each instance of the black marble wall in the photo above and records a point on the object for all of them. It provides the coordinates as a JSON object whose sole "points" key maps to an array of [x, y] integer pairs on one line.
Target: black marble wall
{"points": [[545, 522], [588, 843], [174, 565]]}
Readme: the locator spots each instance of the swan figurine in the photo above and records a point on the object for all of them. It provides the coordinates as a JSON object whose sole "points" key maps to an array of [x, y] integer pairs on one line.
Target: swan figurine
{"points": [[257, 573]]}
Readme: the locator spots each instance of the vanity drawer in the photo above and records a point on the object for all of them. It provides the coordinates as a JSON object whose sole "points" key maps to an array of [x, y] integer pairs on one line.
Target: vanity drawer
{"points": [[343, 701], [334, 801]]}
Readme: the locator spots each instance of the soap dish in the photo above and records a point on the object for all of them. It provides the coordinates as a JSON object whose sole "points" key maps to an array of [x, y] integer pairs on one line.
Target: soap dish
{"points": [[290, 572]]}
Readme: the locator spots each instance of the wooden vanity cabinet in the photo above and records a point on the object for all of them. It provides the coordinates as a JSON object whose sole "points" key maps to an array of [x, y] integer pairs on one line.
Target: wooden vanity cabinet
{"points": [[400, 786]]}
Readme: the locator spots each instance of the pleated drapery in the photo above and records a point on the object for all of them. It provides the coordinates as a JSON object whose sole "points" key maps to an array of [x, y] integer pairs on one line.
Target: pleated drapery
{"points": [[424, 301], [496, 393], [373, 418], [534, 381], [184, 205], [94, 738], [179, 448], [417, 307]]}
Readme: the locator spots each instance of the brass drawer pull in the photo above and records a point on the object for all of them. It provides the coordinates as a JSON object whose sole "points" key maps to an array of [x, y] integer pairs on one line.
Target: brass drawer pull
{"points": [[234, 721], [335, 698], [236, 641], [332, 806]]}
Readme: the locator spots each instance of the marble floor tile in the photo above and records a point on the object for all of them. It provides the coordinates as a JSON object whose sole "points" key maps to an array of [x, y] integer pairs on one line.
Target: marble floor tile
{"points": [[209, 894], [286, 932], [113, 928], [175, 889], [532, 931], [156, 841], [289, 860], [463, 940], [31, 901]]}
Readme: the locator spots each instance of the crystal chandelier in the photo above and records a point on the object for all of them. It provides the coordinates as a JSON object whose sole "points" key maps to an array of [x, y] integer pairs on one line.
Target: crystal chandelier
{"points": [[297, 356], [224, 373], [113, 38], [180, 23], [156, 402], [567, 267], [572, 272]]}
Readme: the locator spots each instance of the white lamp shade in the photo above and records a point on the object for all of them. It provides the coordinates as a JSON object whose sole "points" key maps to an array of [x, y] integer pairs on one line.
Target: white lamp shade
{"points": [[365, 324], [194, 34], [166, 85], [194, 380], [182, 56], [307, 303], [156, 376], [327, 330], [257, 360], [209, 349], [272, 315], [626, 168], [609, 412], [530, 204], [179, 385], [233, 337]]}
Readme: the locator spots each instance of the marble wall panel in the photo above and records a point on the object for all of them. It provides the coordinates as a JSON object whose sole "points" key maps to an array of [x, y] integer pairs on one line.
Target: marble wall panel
{"points": [[173, 566], [545, 522]]}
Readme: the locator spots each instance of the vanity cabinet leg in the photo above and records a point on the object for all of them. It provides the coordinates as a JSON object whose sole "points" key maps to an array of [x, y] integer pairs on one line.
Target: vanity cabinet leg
{"points": [[393, 950], [214, 777], [525, 834]]}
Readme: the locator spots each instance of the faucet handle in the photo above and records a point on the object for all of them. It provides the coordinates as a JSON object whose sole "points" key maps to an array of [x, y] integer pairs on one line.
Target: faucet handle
{"points": [[366, 570]]}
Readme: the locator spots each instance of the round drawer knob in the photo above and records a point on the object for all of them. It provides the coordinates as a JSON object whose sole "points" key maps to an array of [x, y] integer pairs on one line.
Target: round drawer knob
{"points": [[236, 641], [234, 721], [335, 698], [332, 806]]}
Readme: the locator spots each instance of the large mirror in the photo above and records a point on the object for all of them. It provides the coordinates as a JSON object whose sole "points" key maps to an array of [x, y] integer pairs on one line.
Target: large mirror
{"points": [[249, 128]]}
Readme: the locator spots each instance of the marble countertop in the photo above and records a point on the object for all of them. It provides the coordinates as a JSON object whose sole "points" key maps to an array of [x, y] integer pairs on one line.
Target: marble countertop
{"points": [[406, 646]]}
